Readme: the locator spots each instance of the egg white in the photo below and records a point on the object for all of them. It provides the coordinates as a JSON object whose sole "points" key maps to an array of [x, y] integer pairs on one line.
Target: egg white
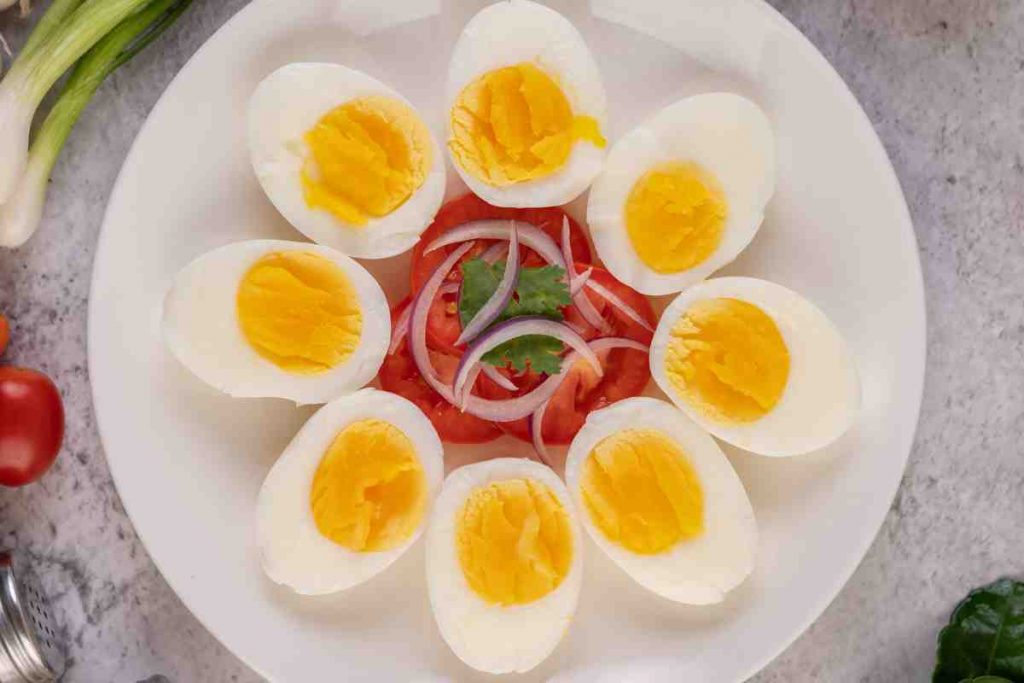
{"points": [[822, 394], [287, 104], [293, 551], [515, 31], [201, 329], [698, 571], [489, 637], [728, 136]]}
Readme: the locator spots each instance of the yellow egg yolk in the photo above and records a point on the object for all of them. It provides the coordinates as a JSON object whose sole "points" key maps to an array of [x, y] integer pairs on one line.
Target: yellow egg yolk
{"points": [[366, 159], [514, 124], [675, 215], [369, 492], [514, 541], [641, 491], [727, 359], [299, 311]]}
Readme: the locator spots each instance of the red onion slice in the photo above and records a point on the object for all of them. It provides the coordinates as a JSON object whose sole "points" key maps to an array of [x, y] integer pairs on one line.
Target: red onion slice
{"points": [[401, 329], [537, 433], [418, 322], [498, 378], [580, 299], [579, 281], [490, 311], [519, 327], [529, 235], [613, 299], [494, 252]]}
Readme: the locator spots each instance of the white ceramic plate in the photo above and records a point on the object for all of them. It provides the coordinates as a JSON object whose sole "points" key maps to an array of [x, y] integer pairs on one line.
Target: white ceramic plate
{"points": [[188, 461]]}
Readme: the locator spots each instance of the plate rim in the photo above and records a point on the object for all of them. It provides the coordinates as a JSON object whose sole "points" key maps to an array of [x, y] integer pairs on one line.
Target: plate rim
{"points": [[907, 234]]}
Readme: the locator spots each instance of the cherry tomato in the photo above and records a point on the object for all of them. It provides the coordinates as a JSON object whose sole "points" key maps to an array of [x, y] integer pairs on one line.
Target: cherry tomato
{"points": [[626, 371], [5, 333], [400, 375], [443, 326], [31, 425]]}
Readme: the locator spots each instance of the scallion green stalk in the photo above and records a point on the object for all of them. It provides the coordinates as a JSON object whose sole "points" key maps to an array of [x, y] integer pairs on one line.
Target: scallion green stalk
{"points": [[20, 215], [52, 18], [29, 79]]}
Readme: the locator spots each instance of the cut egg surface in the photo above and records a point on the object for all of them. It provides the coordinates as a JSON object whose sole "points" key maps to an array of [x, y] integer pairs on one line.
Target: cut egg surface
{"points": [[526, 107], [345, 159], [349, 494], [658, 496], [271, 318], [757, 365], [682, 194], [504, 563]]}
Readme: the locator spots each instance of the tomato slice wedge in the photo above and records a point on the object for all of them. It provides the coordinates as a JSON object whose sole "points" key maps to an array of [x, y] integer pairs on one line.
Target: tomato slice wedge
{"points": [[400, 375], [626, 371]]}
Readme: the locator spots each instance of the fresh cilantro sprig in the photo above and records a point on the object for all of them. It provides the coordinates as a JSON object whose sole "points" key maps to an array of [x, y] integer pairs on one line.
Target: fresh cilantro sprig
{"points": [[541, 291]]}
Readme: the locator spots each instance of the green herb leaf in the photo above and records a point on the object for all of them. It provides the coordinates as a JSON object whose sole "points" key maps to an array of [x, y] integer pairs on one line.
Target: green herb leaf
{"points": [[540, 291], [985, 636], [542, 353]]}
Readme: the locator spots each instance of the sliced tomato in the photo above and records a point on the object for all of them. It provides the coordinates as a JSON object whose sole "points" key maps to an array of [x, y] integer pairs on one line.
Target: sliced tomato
{"points": [[626, 371], [400, 375], [470, 208]]}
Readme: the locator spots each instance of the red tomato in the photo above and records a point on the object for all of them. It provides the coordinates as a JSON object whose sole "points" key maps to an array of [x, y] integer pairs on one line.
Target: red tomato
{"points": [[399, 374], [626, 371], [5, 333], [31, 425], [443, 325]]}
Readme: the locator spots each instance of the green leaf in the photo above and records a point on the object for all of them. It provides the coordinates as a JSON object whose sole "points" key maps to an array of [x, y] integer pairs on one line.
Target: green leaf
{"points": [[984, 639], [540, 292], [541, 352], [986, 679]]}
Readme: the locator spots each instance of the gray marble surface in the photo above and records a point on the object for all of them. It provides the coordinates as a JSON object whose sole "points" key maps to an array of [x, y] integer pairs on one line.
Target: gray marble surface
{"points": [[943, 83]]}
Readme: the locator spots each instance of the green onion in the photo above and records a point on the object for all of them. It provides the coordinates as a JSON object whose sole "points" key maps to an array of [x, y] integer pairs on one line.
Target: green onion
{"points": [[32, 75], [20, 215]]}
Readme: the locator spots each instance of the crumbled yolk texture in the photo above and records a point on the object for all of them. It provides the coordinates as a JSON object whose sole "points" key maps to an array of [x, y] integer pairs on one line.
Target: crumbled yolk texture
{"points": [[641, 491], [299, 311], [369, 492], [366, 158], [675, 215], [514, 541], [514, 124], [727, 359]]}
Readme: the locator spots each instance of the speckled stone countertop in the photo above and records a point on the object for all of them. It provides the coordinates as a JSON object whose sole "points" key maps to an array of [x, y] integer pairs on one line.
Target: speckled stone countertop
{"points": [[943, 83]]}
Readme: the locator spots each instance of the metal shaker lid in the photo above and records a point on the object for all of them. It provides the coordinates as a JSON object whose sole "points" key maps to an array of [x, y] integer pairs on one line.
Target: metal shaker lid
{"points": [[31, 649]]}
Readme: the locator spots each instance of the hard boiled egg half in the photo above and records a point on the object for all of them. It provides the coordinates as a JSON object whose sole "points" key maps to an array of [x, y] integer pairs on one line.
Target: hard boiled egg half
{"points": [[659, 497], [346, 159], [504, 563], [757, 365], [269, 318], [349, 494], [526, 107], [684, 193]]}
